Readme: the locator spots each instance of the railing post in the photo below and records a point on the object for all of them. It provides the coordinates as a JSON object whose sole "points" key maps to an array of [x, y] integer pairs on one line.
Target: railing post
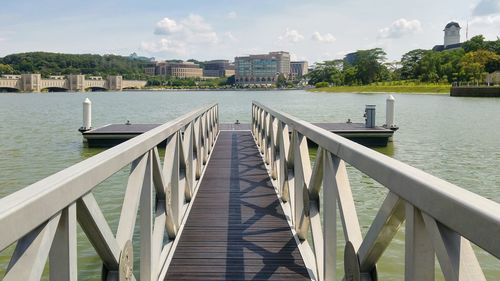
{"points": [[259, 128], [262, 134], [329, 220], [217, 118], [274, 148], [284, 150], [419, 253], [253, 122], [198, 149], [210, 126], [302, 173], [454, 253], [62, 257], [171, 172], [187, 146], [146, 222], [204, 137], [31, 252]]}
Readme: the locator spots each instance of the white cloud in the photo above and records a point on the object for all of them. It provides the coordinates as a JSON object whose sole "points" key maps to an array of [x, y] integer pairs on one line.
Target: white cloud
{"points": [[489, 20], [486, 13], [400, 28], [167, 26], [232, 15], [292, 35], [178, 36], [165, 45], [323, 38], [196, 23], [486, 7]]}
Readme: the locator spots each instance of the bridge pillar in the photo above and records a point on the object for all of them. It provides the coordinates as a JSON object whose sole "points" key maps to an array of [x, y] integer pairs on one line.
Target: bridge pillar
{"points": [[30, 82], [76, 82], [115, 83]]}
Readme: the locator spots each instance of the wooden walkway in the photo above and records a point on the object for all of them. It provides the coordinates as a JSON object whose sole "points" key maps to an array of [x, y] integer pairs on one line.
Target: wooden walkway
{"points": [[236, 229]]}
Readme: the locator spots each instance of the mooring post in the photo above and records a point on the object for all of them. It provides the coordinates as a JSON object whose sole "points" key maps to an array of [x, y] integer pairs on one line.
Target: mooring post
{"points": [[389, 112], [87, 116]]}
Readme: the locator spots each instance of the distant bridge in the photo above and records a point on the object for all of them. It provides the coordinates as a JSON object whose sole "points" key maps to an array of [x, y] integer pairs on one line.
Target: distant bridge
{"points": [[73, 83]]}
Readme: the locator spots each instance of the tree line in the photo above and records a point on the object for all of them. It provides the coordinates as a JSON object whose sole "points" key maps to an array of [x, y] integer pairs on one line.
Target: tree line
{"points": [[466, 64], [62, 64]]}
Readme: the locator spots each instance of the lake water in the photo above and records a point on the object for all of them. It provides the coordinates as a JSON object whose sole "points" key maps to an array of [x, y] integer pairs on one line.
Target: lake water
{"points": [[457, 139]]}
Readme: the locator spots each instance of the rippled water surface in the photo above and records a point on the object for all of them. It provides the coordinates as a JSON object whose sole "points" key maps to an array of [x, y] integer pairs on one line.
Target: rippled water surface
{"points": [[457, 139]]}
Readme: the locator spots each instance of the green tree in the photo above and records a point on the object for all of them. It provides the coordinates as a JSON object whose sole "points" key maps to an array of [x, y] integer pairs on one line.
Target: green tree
{"points": [[281, 82], [369, 65], [350, 75], [475, 63], [410, 63], [6, 69], [474, 44], [328, 71], [478, 42]]}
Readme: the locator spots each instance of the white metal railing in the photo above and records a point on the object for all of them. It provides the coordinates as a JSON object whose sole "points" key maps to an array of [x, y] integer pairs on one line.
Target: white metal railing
{"points": [[441, 218], [42, 217]]}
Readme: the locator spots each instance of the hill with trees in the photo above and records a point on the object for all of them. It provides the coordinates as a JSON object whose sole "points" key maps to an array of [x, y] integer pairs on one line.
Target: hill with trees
{"points": [[61, 64]]}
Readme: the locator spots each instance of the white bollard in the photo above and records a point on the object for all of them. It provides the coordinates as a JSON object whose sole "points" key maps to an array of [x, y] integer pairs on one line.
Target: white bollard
{"points": [[87, 114], [389, 112]]}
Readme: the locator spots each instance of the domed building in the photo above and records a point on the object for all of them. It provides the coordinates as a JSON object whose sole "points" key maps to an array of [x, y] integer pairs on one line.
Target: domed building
{"points": [[451, 38]]}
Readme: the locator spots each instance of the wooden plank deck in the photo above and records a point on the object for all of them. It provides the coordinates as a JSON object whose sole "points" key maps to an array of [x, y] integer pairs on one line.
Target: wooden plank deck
{"points": [[236, 229]]}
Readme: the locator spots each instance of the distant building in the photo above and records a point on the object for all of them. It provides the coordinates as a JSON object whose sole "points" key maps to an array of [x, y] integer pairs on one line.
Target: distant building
{"points": [[150, 69], [451, 38], [283, 62], [185, 70], [175, 69], [298, 69], [218, 68], [261, 69]]}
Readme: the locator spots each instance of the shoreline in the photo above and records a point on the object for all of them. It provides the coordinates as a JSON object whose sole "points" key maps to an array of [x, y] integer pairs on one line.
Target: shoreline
{"points": [[427, 89], [433, 90]]}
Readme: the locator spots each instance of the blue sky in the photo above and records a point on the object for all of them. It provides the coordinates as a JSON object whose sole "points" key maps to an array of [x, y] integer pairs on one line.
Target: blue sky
{"points": [[311, 30]]}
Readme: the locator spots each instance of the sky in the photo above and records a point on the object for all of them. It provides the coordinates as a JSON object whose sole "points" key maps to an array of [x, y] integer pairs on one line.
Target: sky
{"points": [[312, 30]]}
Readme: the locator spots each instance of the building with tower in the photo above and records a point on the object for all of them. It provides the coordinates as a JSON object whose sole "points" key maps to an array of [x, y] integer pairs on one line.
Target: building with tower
{"points": [[451, 38]]}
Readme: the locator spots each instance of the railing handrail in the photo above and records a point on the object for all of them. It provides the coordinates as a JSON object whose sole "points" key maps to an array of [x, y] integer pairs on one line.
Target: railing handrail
{"points": [[474, 217], [38, 202]]}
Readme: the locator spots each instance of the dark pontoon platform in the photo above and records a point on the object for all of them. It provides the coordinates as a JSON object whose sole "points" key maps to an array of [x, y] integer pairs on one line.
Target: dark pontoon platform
{"points": [[113, 134]]}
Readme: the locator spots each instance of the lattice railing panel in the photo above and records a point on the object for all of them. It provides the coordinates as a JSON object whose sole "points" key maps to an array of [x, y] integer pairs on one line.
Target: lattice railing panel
{"points": [[429, 207], [156, 196]]}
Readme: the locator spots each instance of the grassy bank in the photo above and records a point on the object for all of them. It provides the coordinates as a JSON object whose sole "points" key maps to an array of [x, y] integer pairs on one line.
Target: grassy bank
{"points": [[426, 88]]}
